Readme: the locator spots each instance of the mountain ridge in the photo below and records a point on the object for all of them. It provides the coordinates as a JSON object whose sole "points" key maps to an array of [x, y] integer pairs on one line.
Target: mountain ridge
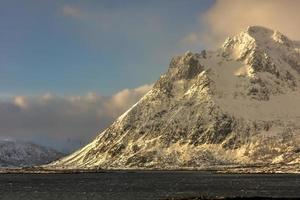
{"points": [[14, 153], [233, 106]]}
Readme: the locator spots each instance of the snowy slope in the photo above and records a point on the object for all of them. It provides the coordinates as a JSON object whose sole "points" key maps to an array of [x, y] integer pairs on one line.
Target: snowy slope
{"points": [[19, 154], [238, 105]]}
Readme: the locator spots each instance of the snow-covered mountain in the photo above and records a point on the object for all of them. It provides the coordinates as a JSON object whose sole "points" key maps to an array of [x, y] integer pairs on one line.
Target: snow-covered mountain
{"points": [[20, 154], [238, 105]]}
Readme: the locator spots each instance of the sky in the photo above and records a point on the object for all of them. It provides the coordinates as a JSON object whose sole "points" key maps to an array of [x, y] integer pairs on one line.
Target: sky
{"points": [[69, 68], [70, 47]]}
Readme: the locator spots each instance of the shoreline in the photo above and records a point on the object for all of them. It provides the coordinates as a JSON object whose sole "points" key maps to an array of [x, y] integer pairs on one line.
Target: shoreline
{"points": [[233, 170]]}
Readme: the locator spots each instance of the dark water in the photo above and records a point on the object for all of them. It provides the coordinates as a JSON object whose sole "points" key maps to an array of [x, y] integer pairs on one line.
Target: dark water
{"points": [[145, 185]]}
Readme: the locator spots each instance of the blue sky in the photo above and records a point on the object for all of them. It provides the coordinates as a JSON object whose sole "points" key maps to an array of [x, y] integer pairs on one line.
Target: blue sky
{"points": [[73, 47]]}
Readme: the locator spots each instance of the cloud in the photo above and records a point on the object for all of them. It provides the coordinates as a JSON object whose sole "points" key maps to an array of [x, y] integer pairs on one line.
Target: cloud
{"points": [[64, 119], [226, 18], [21, 102], [190, 39], [124, 99], [72, 11], [105, 18]]}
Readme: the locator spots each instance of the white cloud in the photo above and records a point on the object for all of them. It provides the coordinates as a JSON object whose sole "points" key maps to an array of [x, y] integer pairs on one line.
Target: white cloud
{"points": [[57, 118], [125, 98], [21, 102], [72, 11], [191, 39], [226, 18]]}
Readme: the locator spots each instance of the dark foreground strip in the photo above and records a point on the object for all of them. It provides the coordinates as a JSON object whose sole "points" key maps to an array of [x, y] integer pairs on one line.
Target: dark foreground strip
{"points": [[230, 198]]}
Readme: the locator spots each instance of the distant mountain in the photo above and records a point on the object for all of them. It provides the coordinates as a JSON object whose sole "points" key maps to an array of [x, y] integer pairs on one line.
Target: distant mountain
{"points": [[238, 105], [20, 154]]}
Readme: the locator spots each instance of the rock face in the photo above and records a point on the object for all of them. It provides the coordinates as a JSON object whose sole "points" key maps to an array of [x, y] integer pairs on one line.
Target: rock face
{"points": [[21, 154], [239, 105]]}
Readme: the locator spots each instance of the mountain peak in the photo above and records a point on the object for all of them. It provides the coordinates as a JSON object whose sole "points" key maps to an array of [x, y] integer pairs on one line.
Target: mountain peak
{"points": [[258, 30], [272, 60], [231, 106], [263, 34], [258, 37]]}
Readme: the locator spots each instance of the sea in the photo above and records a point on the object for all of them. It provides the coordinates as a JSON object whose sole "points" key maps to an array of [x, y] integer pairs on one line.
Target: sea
{"points": [[146, 185]]}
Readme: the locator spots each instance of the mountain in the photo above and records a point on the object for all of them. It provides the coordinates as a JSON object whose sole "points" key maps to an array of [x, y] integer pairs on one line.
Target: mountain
{"points": [[20, 154], [236, 106]]}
